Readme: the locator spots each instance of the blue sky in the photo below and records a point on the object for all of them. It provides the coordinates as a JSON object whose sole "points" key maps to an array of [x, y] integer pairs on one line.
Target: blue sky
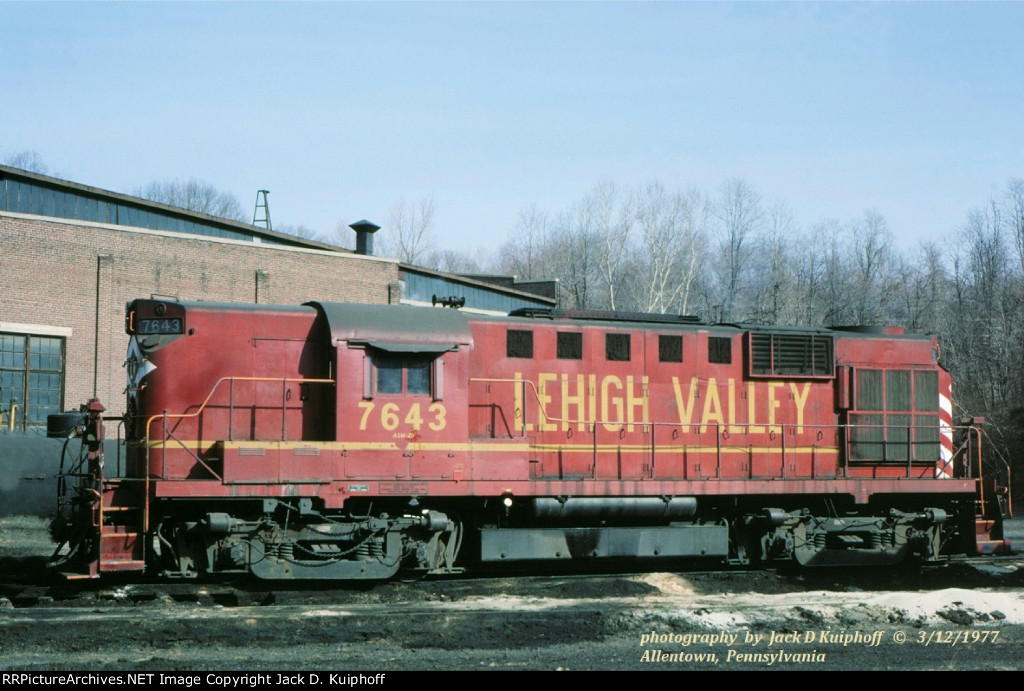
{"points": [[342, 109]]}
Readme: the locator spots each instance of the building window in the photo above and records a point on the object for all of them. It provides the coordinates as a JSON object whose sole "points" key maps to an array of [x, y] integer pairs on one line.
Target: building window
{"points": [[31, 377], [670, 348], [616, 347], [402, 375], [570, 345], [519, 343], [719, 350]]}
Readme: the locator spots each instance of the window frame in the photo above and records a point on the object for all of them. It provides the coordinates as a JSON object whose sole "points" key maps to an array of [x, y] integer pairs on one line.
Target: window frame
{"points": [[896, 429], [27, 395], [431, 366], [518, 342], [569, 345], [666, 338], [611, 349], [716, 348]]}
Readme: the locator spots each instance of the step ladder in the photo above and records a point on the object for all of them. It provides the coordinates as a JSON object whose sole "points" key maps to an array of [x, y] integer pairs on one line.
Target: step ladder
{"points": [[117, 520], [988, 524]]}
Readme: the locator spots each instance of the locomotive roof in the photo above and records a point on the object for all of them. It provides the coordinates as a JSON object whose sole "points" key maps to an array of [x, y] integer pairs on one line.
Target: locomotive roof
{"points": [[688, 322], [604, 315], [218, 306], [396, 327], [390, 326]]}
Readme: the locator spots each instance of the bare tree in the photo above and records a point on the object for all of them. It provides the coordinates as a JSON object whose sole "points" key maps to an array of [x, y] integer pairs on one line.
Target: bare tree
{"points": [[410, 234], [610, 226], [673, 240], [301, 231], [983, 335], [740, 219], [28, 160], [573, 251], [525, 255], [455, 261], [777, 300], [923, 292], [985, 338], [828, 272], [1013, 217], [872, 282], [194, 195], [808, 286]]}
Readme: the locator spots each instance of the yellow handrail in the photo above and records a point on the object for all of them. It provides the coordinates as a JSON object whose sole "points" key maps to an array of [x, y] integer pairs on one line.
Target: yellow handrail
{"points": [[199, 411], [202, 406], [718, 429]]}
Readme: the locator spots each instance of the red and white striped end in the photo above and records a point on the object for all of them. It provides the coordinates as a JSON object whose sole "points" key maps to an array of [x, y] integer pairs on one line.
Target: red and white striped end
{"points": [[944, 467]]}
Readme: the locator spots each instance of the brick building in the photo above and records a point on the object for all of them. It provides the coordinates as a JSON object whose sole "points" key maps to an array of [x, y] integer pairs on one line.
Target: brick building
{"points": [[72, 256], [64, 283]]}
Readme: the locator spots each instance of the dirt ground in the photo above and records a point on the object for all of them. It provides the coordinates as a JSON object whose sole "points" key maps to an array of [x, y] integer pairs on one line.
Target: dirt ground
{"points": [[956, 617]]}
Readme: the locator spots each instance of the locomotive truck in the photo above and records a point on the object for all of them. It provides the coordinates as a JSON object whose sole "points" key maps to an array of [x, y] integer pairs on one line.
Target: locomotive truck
{"points": [[356, 441]]}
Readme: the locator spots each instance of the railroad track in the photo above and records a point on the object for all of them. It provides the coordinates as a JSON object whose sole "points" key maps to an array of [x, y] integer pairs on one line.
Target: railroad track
{"points": [[26, 583]]}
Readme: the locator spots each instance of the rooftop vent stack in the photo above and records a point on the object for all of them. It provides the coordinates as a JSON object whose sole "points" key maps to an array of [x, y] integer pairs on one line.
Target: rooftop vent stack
{"points": [[364, 236]]}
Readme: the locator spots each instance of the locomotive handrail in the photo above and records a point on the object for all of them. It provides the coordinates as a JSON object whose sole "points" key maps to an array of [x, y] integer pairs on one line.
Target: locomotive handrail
{"points": [[520, 414], [981, 485], [202, 407], [978, 432], [120, 427], [721, 428], [1006, 467], [213, 390]]}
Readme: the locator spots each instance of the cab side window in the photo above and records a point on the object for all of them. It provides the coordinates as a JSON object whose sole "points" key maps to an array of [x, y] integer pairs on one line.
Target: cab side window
{"points": [[402, 374]]}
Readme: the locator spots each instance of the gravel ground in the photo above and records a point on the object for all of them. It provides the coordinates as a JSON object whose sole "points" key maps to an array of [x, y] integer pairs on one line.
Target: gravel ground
{"points": [[957, 617]]}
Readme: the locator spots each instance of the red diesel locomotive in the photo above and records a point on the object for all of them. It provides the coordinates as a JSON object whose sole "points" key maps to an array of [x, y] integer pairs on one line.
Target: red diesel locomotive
{"points": [[352, 441]]}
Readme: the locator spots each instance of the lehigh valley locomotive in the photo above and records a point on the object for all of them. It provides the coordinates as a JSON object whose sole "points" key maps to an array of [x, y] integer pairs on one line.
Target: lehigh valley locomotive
{"points": [[352, 441]]}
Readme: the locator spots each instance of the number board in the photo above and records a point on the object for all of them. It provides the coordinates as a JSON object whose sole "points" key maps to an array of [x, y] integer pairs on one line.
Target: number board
{"points": [[161, 326]]}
